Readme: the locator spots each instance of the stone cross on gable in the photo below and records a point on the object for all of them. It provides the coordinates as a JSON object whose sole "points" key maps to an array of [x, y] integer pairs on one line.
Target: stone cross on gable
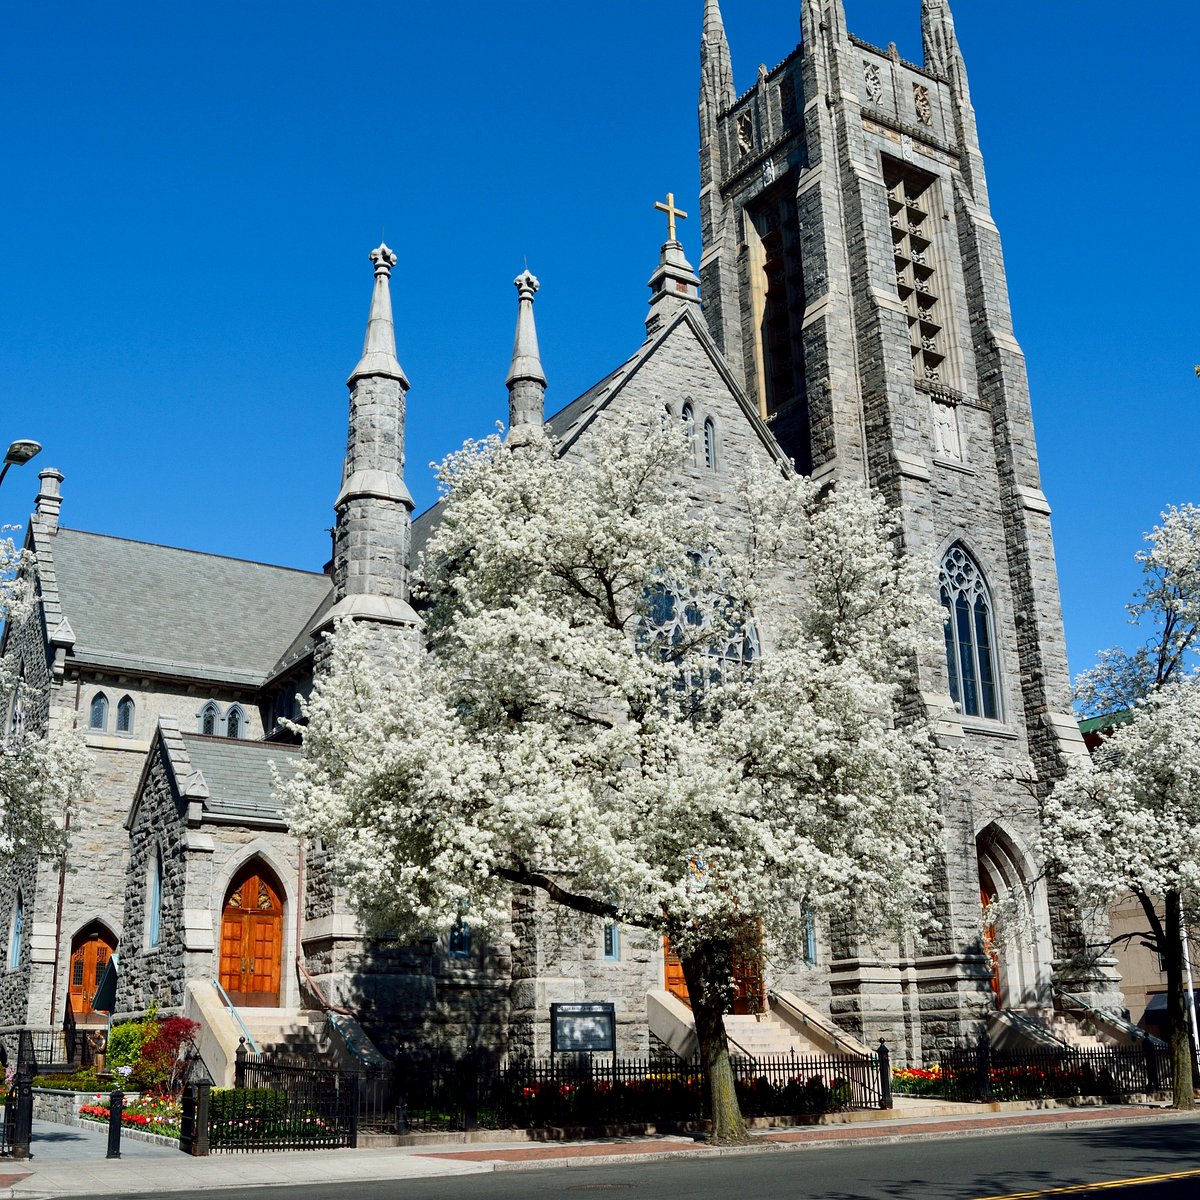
{"points": [[383, 258], [672, 212]]}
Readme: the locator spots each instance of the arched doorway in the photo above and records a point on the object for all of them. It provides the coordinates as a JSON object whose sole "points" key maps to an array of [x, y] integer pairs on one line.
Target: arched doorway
{"points": [[1017, 947], [91, 949], [252, 938]]}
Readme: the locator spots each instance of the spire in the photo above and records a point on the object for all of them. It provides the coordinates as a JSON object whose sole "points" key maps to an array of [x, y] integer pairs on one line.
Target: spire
{"points": [[526, 380], [379, 346], [675, 283], [374, 509], [941, 45], [821, 16], [716, 65], [943, 57]]}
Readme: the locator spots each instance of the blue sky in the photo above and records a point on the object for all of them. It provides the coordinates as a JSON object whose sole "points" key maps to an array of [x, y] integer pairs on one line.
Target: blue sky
{"points": [[192, 190]]}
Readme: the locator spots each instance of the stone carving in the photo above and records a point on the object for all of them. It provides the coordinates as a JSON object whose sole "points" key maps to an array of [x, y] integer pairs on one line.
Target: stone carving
{"points": [[907, 148], [745, 132], [769, 172], [874, 82], [946, 439], [922, 103]]}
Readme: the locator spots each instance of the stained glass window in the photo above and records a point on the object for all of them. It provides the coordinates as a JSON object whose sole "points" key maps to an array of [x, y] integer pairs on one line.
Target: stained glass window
{"points": [[970, 635]]}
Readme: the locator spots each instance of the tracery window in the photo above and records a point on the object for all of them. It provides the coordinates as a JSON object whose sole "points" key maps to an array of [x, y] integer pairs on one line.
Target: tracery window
{"points": [[98, 713], [208, 720], [970, 635], [125, 715]]}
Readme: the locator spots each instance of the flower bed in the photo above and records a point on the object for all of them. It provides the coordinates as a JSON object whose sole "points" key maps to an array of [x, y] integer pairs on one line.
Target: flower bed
{"points": [[918, 1081], [154, 1114]]}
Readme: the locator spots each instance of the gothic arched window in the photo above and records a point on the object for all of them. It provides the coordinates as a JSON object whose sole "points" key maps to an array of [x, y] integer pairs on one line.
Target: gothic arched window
{"points": [[98, 713], [234, 722], [689, 429], [125, 715], [154, 901], [208, 720], [710, 444], [970, 635], [16, 933]]}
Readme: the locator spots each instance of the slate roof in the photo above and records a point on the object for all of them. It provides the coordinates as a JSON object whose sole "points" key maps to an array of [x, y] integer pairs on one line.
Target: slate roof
{"points": [[139, 606], [238, 774]]}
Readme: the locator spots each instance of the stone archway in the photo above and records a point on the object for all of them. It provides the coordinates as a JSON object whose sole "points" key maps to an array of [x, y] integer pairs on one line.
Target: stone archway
{"points": [[92, 949], [1018, 947], [252, 937]]}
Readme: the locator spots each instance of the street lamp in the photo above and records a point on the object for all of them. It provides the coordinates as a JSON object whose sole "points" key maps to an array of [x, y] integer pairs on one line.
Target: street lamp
{"points": [[19, 453]]}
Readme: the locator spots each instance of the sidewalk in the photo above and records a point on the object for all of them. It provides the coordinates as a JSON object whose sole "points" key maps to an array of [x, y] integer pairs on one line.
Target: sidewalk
{"points": [[71, 1162]]}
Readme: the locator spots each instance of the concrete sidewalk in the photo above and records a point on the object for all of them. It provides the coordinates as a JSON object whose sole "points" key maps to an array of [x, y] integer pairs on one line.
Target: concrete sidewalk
{"points": [[71, 1162]]}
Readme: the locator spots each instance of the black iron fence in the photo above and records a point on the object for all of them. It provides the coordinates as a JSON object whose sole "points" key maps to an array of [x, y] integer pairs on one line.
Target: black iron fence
{"points": [[478, 1091], [981, 1073]]}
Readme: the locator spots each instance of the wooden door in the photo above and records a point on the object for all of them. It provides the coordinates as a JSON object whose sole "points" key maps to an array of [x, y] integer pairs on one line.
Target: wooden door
{"points": [[673, 979], [749, 997], [90, 953], [989, 946], [252, 941]]}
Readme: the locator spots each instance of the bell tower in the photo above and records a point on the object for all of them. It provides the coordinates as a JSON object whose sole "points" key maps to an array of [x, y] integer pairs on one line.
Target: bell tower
{"points": [[853, 277]]}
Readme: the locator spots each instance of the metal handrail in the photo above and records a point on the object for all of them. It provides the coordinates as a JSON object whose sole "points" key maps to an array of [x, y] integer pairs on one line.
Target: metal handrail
{"points": [[1134, 1031], [251, 1044]]}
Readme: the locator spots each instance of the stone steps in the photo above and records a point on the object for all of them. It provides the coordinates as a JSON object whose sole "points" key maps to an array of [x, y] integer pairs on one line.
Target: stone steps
{"points": [[765, 1035]]}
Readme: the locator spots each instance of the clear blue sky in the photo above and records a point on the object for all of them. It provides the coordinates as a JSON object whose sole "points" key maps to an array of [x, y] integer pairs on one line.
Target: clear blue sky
{"points": [[191, 192]]}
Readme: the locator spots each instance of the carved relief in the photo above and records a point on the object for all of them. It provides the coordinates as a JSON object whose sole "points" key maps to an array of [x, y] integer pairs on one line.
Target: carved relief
{"points": [[769, 172], [946, 439], [745, 132], [874, 82], [922, 104]]}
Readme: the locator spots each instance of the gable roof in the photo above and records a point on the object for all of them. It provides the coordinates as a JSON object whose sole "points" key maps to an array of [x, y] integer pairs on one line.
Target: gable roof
{"points": [[238, 775], [570, 422], [137, 606]]}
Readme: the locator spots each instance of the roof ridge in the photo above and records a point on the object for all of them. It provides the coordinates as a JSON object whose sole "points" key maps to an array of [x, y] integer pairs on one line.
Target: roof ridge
{"points": [[253, 562]]}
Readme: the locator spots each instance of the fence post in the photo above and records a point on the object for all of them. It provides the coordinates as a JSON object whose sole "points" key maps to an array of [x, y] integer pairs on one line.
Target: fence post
{"points": [[239, 1064], [22, 1131], [354, 1092], [885, 1075], [116, 1106], [200, 1141], [471, 1096], [984, 1055], [187, 1120]]}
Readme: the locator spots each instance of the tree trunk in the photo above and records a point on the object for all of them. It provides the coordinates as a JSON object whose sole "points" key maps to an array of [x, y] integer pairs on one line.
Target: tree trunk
{"points": [[1177, 1001], [708, 970]]}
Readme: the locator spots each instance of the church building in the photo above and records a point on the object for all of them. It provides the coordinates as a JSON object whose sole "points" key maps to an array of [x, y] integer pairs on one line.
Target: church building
{"points": [[849, 316]]}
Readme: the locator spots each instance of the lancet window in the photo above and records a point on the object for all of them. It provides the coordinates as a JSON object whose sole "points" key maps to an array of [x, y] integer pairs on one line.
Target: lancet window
{"points": [[98, 713], [125, 715], [970, 635]]}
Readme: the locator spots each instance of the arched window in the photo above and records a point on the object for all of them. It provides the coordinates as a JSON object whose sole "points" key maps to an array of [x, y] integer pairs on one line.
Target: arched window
{"points": [[98, 713], [16, 933], [209, 716], [154, 901], [710, 444], [235, 722], [689, 429], [125, 715], [458, 944], [970, 635]]}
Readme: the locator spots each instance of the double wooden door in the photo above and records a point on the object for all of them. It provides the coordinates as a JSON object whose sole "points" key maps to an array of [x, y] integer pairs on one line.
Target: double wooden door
{"points": [[749, 993], [252, 941], [89, 958]]}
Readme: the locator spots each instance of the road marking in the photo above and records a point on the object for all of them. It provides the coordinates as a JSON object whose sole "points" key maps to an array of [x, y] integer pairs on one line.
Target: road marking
{"points": [[1077, 1188]]}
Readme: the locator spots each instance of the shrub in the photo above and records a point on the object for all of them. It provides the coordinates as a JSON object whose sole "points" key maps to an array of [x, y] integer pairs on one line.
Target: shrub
{"points": [[151, 1049], [80, 1081]]}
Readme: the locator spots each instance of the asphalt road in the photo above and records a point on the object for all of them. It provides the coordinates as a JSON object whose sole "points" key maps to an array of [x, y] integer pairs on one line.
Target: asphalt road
{"points": [[1059, 1163]]}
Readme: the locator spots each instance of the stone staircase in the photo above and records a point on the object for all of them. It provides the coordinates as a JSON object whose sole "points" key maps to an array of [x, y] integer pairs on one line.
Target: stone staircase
{"points": [[1042, 1029], [284, 1031], [765, 1035]]}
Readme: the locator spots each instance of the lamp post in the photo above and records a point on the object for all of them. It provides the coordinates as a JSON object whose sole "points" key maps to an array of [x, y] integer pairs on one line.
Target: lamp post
{"points": [[19, 453]]}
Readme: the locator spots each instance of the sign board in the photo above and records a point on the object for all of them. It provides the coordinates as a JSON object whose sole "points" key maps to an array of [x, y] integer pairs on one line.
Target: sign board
{"points": [[576, 1028]]}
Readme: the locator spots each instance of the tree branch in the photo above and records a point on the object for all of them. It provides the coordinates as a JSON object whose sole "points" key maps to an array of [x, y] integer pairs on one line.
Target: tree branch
{"points": [[559, 894]]}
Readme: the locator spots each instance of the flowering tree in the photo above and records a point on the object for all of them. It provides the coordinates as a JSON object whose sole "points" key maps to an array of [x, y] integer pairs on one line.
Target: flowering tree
{"points": [[42, 775], [1127, 822], [619, 703]]}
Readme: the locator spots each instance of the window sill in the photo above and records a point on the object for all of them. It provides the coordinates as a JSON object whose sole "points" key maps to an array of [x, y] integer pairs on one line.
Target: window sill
{"points": [[950, 464], [996, 729]]}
